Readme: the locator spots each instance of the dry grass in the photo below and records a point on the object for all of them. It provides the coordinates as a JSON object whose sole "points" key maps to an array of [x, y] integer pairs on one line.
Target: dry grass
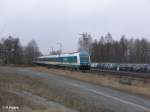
{"points": [[138, 87], [24, 83], [23, 104], [60, 95], [13, 100]]}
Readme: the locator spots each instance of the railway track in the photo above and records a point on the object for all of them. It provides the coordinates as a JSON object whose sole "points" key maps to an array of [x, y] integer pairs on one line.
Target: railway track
{"points": [[132, 75], [145, 77]]}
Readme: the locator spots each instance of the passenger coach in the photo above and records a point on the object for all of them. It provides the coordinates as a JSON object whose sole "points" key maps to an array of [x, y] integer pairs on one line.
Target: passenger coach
{"points": [[76, 60]]}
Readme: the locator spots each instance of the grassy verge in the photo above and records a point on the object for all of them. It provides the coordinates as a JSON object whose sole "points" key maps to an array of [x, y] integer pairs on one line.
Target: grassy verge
{"points": [[137, 87], [8, 99], [60, 95]]}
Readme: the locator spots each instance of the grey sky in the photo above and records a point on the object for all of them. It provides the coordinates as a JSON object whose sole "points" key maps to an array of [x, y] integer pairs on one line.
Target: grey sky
{"points": [[52, 21]]}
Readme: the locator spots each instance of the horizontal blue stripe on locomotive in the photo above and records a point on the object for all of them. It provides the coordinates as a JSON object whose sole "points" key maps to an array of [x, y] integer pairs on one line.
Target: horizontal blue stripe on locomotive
{"points": [[74, 60], [61, 59]]}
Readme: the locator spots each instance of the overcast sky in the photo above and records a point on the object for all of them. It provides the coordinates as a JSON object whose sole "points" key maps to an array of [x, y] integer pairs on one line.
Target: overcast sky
{"points": [[60, 21]]}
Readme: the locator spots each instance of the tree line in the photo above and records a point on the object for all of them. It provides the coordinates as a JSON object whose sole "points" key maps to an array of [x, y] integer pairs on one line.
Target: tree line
{"points": [[103, 49], [124, 50], [13, 52]]}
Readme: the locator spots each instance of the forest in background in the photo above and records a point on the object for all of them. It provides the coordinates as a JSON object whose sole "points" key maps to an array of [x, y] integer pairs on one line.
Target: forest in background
{"points": [[13, 52], [124, 50], [103, 49]]}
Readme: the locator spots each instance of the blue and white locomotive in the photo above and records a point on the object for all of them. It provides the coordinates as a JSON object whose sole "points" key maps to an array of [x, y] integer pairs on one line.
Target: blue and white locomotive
{"points": [[76, 60]]}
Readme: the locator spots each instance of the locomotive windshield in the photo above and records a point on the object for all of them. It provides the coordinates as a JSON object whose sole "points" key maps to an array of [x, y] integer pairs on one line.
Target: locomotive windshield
{"points": [[84, 59]]}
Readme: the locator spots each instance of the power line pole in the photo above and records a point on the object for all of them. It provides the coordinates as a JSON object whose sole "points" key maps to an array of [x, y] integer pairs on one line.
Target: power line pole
{"points": [[60, 47]]}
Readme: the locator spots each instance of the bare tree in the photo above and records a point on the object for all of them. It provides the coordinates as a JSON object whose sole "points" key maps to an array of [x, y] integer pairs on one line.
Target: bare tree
{"points": [[124, 50], [12, 50], [31, 52]]}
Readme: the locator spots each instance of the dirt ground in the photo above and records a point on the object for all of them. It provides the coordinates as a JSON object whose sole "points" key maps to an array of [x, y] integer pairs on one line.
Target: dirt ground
{"points": [[22, 94], [22, 86], [15, 103], [137, 87], [65, 99]]}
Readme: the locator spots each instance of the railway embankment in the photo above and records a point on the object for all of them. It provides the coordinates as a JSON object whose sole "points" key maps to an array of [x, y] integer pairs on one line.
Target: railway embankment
{"points": [[118, 82]]}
